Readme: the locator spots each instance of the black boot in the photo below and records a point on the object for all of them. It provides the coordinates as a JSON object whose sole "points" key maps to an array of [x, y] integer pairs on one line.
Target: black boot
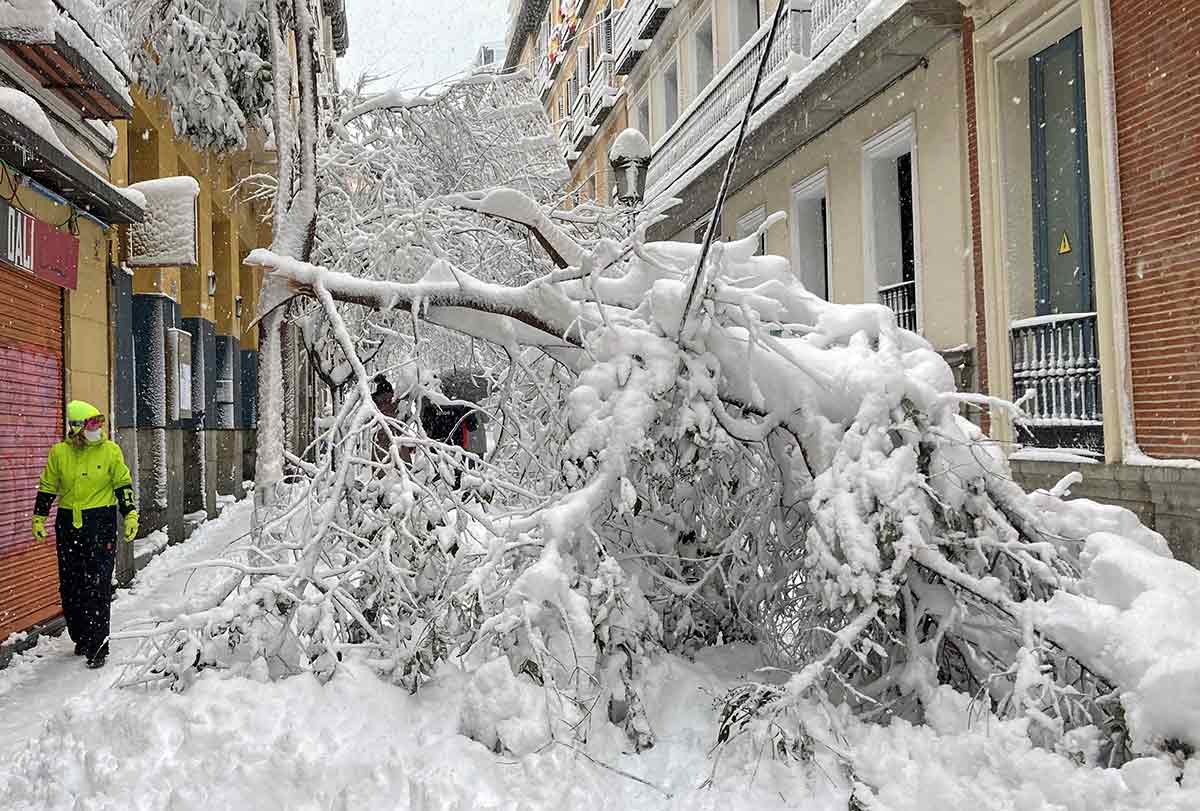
{"points": [[97, 660], [79, 649]]}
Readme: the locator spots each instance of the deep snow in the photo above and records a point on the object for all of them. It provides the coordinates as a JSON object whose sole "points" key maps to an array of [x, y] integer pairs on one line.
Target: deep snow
{"points": [[68, 740]]}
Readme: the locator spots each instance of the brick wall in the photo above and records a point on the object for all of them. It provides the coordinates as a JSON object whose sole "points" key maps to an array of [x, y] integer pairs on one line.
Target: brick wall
{"points": [[1156, 51], [981, 358]]}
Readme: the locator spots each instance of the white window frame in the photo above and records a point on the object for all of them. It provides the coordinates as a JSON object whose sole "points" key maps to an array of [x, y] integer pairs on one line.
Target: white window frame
{"points": [[705, 15], [890, 143], [644, 97], [750, 222], [813, 187], [736, 41], [660, 90]]}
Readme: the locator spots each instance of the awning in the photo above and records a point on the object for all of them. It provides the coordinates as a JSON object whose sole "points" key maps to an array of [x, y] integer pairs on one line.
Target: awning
{"points": [[33, 156]]}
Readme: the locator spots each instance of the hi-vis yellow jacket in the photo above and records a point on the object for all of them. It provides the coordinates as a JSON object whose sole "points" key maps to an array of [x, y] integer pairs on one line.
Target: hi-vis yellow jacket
{"points": [[85, 477]]}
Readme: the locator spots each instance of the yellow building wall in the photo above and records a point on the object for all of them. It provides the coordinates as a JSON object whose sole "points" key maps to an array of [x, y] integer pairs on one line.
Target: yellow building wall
{"points": [[87, 359]]}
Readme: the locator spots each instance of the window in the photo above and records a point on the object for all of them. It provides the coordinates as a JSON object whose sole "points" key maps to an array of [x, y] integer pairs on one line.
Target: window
{"points": [[1061, 220], [642, 115], [585, 66], [811, 233], [889, 222], [749, 222], [703, 60], [698, 232], [669, 90], [746, 20]]}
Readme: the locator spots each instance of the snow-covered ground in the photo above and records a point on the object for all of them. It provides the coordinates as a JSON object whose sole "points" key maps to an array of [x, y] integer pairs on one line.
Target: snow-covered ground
{"points": [[69, 740]]}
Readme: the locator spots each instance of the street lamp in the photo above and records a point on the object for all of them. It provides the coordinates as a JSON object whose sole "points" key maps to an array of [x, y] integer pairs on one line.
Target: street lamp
{"points": [[212, 282], [237, 306], [630, 160]]}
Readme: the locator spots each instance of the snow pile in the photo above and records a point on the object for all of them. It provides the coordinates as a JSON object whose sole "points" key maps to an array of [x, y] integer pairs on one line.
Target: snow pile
{"points": [[962, 759], [1136, 621], [358, 742], [167, 236]]}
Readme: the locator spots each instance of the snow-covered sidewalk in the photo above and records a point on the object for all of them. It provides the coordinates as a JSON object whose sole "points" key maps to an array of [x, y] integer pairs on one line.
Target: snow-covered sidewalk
{"points": [[69, 740], [40, 681]]}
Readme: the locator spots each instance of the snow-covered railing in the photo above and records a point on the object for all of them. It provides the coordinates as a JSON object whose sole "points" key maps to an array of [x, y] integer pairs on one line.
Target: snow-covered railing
{"points": [[1058, 358], [901, 298], [602, 90], [637, 22], [582, 129], [830, 17], [541, 80], [719, 107]]}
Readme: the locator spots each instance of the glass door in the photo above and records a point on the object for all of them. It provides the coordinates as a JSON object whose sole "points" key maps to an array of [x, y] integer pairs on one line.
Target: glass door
{"points": [[1061, 222]]}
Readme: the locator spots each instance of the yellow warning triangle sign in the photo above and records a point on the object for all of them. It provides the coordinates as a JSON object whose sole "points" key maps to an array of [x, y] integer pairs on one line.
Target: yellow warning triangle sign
{"points": [[1064, 245]]}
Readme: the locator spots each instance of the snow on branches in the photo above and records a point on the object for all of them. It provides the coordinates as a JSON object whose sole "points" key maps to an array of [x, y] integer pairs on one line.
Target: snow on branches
{"points": [[210, 61], [792, 473]]}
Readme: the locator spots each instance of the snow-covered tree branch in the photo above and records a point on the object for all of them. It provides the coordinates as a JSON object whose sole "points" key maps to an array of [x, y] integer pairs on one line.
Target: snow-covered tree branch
{"points": [[793, 473]]}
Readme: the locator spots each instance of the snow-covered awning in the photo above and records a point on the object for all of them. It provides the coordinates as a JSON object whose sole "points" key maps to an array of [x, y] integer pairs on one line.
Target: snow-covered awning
{"points": [[29, 144], [72, 50], [168, 235]]}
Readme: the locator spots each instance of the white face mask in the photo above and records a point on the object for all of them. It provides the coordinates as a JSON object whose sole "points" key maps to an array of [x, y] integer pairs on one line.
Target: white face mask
{"points": [[93, 436]]}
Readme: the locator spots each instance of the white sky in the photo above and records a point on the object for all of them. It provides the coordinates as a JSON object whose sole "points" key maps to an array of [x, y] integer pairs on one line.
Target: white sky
{"points": [[417, 41]]}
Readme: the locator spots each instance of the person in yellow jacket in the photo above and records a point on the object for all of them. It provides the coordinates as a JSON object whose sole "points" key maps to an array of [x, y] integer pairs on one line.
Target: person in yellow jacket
{"points": [[88, 475]]}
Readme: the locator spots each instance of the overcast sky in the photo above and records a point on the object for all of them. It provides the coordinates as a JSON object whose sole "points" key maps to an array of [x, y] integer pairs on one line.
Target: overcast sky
{"points": [[418, 41]]}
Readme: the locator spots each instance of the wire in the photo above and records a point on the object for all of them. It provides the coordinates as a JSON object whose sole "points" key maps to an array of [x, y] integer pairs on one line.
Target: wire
{"points": [[715, 217]]}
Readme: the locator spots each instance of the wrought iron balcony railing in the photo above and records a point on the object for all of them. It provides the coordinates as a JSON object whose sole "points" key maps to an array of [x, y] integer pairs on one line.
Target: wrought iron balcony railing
{"points": [[1056, 369], [901, 298]]}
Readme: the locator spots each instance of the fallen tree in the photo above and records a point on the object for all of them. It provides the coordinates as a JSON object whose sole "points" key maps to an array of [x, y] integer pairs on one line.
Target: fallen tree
{"points": [[772, 468]]}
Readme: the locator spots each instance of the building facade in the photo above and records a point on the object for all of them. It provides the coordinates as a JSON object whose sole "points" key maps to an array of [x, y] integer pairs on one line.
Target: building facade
{"points": [[1016, 179], [1086, 170], [858, 134], [164, 347], [569, 47]]}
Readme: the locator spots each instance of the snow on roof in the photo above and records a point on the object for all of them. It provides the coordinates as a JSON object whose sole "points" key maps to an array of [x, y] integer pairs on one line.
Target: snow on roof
{"points": [[168, 234], [96, 24], [26, 110], [84, 45], [26, 20], [81, 25]]}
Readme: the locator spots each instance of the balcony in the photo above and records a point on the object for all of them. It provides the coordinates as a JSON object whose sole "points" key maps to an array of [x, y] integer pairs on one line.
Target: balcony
{"points": [[860, 55], [901, 298], [1056, 376], [563, 131], [542, 80], [637, 23], [830, 18], [602, 91], [720, 105], [582, 128]]}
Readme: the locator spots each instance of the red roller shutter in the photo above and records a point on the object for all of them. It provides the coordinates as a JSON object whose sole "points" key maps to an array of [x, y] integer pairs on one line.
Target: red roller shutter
{"points": [[31, 409]]}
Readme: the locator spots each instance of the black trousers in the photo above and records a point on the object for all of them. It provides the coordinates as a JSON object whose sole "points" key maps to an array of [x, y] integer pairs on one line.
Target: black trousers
{"points": [[85, 566]]}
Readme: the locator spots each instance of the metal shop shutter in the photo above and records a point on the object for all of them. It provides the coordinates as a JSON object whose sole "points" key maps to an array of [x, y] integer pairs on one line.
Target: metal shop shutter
{"points": [[31, 420]]}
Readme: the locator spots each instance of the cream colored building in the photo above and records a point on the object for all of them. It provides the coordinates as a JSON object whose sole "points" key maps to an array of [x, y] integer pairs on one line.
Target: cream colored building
{"points": [[859, 135], [568, 46]]}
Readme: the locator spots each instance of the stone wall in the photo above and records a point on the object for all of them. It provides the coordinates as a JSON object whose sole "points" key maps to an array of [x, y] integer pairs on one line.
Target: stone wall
{"points": [[1164, 498]]}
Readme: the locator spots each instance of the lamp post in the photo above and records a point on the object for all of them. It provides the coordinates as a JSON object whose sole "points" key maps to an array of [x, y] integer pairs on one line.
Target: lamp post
{"points": [[630, 161]]}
